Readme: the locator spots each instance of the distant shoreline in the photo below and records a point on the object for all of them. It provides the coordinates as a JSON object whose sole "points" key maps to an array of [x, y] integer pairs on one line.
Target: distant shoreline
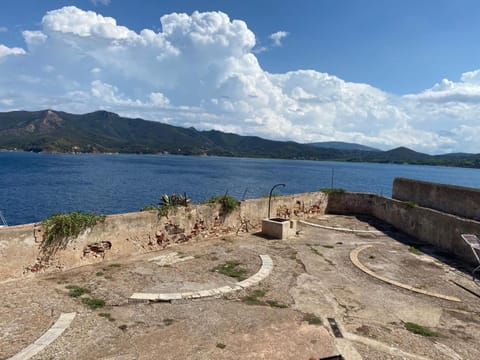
{"points": [[242, 157]]}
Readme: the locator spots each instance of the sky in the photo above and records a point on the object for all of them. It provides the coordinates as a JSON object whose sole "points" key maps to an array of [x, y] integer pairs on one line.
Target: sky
{"points": [[375, 72]]}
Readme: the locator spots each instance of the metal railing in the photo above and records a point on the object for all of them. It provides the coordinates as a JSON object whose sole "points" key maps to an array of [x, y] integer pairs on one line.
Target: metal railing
{"points": [[3, 222]]}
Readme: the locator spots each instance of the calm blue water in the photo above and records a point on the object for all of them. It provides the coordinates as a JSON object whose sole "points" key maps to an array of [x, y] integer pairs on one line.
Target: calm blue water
{"points": [[33, 186]]}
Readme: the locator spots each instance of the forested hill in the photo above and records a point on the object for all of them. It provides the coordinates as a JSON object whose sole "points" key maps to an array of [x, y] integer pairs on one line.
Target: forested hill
{"points": [[106, 132]]}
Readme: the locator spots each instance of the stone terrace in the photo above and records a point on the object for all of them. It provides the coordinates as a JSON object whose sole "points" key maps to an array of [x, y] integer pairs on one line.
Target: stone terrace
{"points": [[284, 316]]}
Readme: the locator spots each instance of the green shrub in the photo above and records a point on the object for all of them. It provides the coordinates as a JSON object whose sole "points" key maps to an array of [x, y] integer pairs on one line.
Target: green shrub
{"points": [[221, 346], [228, 202], [329, 191]]}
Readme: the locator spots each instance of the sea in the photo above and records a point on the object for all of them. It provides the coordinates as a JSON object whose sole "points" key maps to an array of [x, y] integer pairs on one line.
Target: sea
{"points": [[34, 186]]}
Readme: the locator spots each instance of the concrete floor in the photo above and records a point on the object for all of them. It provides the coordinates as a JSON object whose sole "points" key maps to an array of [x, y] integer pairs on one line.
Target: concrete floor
{"points": [[312, 274]]}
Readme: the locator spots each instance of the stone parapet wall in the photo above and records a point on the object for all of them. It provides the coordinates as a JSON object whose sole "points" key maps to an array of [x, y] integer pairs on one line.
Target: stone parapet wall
{"points": [[451, 199], [427, 225], [122, 235], [22, 254]]}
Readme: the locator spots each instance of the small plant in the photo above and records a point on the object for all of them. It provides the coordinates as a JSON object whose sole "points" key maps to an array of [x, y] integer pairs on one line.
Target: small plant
{"points": [[232, 269], [115, 265], [168, 322], [150, 207], [312, 319], [107, 316], [328, 246], [99, 273], [266, 196], [414, 250], [371, 257], [253, 299], [221, 346], [329, 191], [123, 327], [168, 202], [276, 304], [259, 293], [76, 291], [228, 202], [410, 204], [420, 330], [174, 200], [93, 303]]}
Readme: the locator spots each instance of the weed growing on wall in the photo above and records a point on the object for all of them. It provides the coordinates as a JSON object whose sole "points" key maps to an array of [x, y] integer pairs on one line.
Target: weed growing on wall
{"points": [[59, 229], [410, 204], [168, 203], [329, 191], [228, 202], [63, 226]]}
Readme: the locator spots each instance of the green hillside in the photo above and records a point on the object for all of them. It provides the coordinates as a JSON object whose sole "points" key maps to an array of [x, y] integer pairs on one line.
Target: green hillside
{"points": [[102, 131]]}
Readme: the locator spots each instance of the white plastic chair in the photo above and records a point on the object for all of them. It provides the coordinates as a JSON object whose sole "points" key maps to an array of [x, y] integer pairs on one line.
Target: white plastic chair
{"points": [[474, 243]]}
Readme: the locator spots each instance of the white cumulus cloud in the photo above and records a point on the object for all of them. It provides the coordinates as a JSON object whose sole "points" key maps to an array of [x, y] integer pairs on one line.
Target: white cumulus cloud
{"points": [[201, 70], [5, 51], [278, 37]]}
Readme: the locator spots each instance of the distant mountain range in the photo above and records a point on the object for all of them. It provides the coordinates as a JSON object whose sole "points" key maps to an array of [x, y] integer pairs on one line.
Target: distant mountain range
{"points": [[106, 132], [340, 145]]}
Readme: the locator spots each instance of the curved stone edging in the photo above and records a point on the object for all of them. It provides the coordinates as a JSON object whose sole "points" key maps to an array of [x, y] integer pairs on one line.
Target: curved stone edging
{"points": [[47, 338], [354, 258], [340, 229], [266, 268]]}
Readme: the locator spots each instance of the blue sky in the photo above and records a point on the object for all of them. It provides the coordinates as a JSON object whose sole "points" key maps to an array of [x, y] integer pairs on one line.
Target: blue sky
{"points": [[382, 73]]}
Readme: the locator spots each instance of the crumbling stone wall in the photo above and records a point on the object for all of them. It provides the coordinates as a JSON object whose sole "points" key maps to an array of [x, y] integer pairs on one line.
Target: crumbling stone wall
{"points": [[141, 232]]}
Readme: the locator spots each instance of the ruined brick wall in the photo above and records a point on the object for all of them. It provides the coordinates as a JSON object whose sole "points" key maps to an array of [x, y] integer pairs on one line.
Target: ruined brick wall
{"points": [[121, 235]]}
